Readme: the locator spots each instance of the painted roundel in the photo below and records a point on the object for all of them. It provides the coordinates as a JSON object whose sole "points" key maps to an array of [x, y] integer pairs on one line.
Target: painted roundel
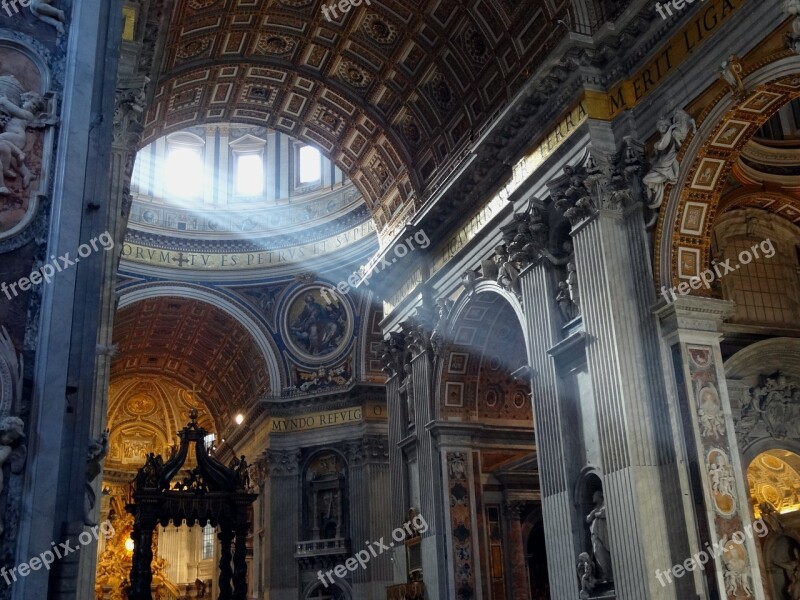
{"points": [[140, 405], [317, 328]]}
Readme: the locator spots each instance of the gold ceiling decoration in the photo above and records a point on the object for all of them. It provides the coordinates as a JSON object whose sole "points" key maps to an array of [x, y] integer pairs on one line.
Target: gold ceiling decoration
{"points": [[143, 416], [773, 477], [114, 563], [189, 343]]}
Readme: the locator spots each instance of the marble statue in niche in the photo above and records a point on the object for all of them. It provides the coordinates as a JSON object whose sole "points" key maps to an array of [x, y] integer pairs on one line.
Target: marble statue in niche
{"points": [[572, 285], [569, 310], [98, 449], [47, 13], [327, 497], [598, 528], [12, 450], [664, 163], [407, 390]]}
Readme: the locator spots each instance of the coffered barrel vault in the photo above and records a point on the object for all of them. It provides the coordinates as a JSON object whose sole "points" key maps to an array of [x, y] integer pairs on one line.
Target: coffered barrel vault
{"points": [[392, 92]]}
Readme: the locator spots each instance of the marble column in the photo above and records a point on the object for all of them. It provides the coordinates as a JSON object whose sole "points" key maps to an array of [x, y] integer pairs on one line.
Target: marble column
{"points": [[635, 452], [284, 522], [398, 470], [431, 482], [520, 581], [690, 327], [63, 413], [369, 496], [550, 427]]}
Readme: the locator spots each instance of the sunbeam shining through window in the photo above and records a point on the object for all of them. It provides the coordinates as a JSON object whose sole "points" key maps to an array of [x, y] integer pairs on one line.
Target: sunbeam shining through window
{"points": [[184, 172]]}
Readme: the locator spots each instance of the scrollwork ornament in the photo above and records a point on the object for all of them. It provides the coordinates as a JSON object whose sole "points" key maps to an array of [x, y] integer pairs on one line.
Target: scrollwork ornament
{"points": [[283, 462]]}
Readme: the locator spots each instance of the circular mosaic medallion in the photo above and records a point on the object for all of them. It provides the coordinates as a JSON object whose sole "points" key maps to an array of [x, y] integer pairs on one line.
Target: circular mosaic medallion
{"points": [[317, 327]]}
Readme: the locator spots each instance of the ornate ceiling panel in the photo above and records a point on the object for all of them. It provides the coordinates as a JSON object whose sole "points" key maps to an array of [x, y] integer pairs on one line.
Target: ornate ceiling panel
{"points": [[145, 414], [389, 91], [195, 344]]}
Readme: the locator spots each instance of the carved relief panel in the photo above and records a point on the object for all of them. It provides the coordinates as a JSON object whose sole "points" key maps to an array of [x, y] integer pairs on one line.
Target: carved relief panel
{"points": [[27, 114]]}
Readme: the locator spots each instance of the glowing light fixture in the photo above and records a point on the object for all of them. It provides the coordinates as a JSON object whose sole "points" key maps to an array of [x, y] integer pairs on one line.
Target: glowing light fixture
{"points": [[129, 546], [239, 419]]}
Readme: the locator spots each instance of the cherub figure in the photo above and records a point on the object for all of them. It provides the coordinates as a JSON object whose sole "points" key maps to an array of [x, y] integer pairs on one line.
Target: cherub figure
{"points": [[11, 438], [14, 137], [586, 575], [49, 14]]}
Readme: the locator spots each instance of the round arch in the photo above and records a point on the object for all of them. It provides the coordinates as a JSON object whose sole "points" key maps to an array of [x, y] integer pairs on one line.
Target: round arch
{"points": [[316, 586], [685, 223], [487, 286], [471, 326], [742, 371], [261, 337]]}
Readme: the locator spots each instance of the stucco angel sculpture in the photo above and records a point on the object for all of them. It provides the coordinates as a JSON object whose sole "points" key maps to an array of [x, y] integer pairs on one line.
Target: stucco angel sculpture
{"points": [[16, 119], [664, 163]]}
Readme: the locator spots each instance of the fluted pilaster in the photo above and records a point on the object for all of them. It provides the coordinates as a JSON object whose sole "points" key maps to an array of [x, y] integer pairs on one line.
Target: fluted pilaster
{"points": [[549, 427]]}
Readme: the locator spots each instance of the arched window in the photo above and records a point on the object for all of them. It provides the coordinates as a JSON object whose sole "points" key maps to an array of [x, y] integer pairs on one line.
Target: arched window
{"points": [[761, 250], [184, 166], [208, 542], [248, 164], [326, 593], [309, 165]]}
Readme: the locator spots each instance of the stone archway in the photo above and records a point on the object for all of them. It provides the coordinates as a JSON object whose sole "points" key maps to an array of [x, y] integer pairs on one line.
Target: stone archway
{"points": [[683, 234], [483, 389]]}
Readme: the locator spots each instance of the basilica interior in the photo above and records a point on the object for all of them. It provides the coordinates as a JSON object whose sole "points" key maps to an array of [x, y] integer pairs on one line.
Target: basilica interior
{"points": [[399, 300]]}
